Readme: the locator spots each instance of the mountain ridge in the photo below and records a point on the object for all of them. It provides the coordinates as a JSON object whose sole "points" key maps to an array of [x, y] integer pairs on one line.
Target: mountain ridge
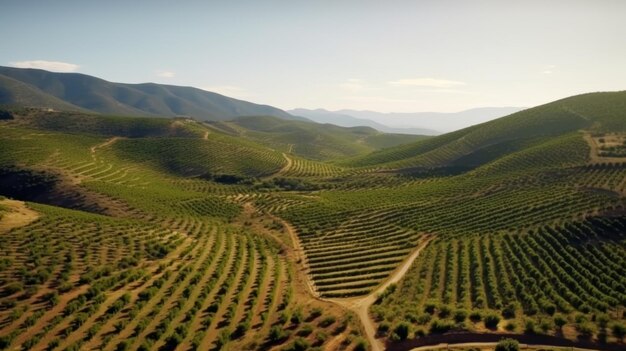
{"points": [[40, 88], [427, 123]]}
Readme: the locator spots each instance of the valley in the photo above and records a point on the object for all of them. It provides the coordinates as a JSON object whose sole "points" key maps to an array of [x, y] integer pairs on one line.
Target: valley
{"points": [[259, 233]]}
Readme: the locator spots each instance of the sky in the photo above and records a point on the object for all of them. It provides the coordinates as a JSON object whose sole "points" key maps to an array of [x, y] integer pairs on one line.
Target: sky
{"points": [[387, 56]]}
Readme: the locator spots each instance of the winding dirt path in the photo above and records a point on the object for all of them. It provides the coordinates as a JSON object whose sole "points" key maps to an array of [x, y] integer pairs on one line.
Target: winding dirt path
{"points": [[286, 167], [361, 305], [105, 144], [18, 215]]}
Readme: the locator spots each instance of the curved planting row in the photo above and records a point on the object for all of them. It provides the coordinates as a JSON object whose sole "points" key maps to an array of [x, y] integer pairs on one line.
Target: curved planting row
{"points": [[563, 277]]}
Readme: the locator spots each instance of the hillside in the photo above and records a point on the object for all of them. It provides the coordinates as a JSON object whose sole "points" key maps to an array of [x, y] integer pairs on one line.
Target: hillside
{"points": [[312, 140], [480, 144], [258, 234], [72, 91]]}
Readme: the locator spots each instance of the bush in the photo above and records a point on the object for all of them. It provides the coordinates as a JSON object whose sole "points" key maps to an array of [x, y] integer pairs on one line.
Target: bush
{"points": [[619, 330], [444, 311], [299, 344], [475, 316], [546, 325], [297, 317], [509, 311], [316, 312], [430, 307], [383, 328], [423, 319], [402, 330], [439, 326], [327, 321], [360, 345], [13, 288], [491, 320], [602, 320], [123, 345], [306, 330], [559, 321], [507, 345], [460, 316], [277, 334], [585, 330], [529, 327]]}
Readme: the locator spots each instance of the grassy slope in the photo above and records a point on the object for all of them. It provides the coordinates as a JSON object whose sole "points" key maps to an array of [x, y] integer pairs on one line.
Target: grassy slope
{"points": [[314, 141], [170, 254], [94, 94], [599, 111]]}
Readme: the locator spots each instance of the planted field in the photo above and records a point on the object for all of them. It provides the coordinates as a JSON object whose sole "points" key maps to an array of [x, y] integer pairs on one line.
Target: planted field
{"points": [[173, 234], [567, 278]]}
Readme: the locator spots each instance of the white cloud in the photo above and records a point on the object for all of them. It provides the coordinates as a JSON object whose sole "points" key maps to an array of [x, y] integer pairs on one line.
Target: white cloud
{"points": [[56, 66], [166, 74], [353, 84], [548, 69], [426, 82]]}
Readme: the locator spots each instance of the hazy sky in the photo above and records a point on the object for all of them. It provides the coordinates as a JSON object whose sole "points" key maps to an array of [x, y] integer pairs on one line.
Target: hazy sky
{"points": [[390, 56]]}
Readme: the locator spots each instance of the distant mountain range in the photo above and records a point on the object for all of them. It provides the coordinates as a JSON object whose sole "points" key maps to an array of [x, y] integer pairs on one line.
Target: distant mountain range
{"points": [[346, 120], [80, 92], [427, 123]]}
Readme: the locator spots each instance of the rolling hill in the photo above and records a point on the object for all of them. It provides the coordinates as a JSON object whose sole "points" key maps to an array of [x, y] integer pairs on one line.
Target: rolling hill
{"points": [[257, 233], [73, 91], [477, 145], [312, 140]]}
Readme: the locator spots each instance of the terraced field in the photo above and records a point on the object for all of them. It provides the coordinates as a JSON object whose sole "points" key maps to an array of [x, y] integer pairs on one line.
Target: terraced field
{"points": [[174, 234], [165, 270]]}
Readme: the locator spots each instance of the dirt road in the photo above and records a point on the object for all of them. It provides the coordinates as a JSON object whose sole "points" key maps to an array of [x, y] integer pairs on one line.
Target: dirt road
{"points": [[287, 167], [361, 305]]}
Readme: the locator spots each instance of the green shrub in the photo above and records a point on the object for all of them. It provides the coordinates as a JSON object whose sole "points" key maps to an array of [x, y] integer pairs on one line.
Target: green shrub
{"points": [[507, 345], [383, 328], [360, 345], [439, 326], [402, 330], [491, 320], [618, 330], [475, 316], [460, 316], [327, 321], [299, 344]]}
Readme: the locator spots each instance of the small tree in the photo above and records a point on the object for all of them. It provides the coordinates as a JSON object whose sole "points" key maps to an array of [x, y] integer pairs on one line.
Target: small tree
{"points": [[360, 345], [297, 317], [402, 330], [619, 330], [507, 345], [491, 320]]}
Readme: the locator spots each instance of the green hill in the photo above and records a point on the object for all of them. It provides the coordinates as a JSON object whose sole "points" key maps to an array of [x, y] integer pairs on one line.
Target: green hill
{"points": [[72, 91], [312, 140], [477, 145], [174, 233]]}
